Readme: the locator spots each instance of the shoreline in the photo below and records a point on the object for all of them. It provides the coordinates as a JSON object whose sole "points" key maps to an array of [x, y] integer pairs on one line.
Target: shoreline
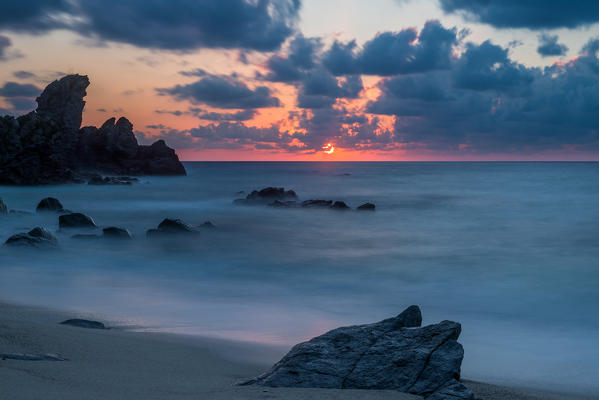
{"points": [[118, 363]]}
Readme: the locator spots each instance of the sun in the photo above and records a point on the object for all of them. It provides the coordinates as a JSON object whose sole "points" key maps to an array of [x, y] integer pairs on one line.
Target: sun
{"points": [[328, 148]]}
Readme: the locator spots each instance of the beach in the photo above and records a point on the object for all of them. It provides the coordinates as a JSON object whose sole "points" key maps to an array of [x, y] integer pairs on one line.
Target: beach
{"points": [[119, 364]]}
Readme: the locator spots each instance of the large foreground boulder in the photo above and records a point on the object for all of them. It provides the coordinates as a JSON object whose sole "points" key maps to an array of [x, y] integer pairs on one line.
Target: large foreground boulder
{"points": [[394, 354], [47, 146], [37, 237]]}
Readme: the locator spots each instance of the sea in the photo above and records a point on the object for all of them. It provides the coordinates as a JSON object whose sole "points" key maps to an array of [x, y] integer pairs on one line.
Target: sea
{"points": [[508, 249]]}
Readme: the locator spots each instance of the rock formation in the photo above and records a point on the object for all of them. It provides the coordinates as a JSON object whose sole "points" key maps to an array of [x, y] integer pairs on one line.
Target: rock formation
{"points": [[268, 195], [84, 323], [76, 220], [37, 237], [170, 227], [113, 232], [366, 207], [394, 354], [49, 204], [47, 145]]}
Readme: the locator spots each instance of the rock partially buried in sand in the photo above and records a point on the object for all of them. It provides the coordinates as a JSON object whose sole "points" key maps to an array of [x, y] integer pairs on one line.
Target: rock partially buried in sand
{"points": [[37, 237], [76, 220], [366, 207], [170, 227], [114, 232], [395, 354], [3, 207], [84, 323], [49, 204]]}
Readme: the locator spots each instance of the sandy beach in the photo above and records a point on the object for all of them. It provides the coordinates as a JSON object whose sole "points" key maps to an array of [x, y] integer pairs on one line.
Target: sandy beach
{"points": [[119, 364]]}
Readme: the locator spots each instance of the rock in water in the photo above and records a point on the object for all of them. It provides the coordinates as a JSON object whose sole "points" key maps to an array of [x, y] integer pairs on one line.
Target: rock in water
{"points": [[340, 205], [76, 220], [170, 227], [394, 354], [366, 207], [113, 232], [47, 146], [84, 323], [3, 207], [268, 195], [49, 204], [37, 237]]}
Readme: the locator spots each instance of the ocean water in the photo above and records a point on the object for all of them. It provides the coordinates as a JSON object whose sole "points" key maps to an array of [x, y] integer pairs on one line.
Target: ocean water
{"points": [[510, 250]]}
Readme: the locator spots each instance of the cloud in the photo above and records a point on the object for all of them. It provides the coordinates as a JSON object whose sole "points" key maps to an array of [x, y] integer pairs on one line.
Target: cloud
{"points": [[222, 92], [301, 56], [33, 16], [5, 53], [243, 115], [24, 74], [14, 89], [549, 46], [526, 14]]}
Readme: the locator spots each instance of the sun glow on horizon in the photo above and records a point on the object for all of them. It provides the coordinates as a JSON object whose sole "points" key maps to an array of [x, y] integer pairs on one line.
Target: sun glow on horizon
{"points": [[328, 148]]}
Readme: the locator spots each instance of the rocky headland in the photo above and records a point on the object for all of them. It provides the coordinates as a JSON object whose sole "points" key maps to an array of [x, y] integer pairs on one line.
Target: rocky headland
{"points": [[49, 146]]}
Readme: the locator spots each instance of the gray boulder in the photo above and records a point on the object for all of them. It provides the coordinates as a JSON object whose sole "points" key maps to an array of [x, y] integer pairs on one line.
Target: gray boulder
{"points": [[37, 237], [3, 207], [76, 220], [49, 204], [395, 354]]}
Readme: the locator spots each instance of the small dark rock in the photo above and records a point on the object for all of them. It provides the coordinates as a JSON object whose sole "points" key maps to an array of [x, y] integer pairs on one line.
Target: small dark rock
{"points": [[76, 220], [170, 226], [113, 232], [366, 207], [208, 225], [84, 323], [37, 237], [268, 195], [317, 203], [49, 204], [340, 205], [283, 204]]}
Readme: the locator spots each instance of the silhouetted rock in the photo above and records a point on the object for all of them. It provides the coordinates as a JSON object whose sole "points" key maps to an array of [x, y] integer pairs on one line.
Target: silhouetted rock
{"points": [[46, 146], [317, 203], [111, 180], [170, 227], [268, 195], [37, 237], [3, 207], [392, 354], [366, 207], [283, 204], [76, 220], [84, 323], [49, 204], [340, 205], [114, 232]]}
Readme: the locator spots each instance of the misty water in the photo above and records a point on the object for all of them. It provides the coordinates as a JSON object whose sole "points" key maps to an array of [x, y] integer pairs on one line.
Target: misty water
{"points": [[510, 250]]}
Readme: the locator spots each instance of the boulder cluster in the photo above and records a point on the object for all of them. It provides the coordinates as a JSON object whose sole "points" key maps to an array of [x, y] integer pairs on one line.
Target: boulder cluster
{"points": [[48, 145], [278, 197], [393, 354]]}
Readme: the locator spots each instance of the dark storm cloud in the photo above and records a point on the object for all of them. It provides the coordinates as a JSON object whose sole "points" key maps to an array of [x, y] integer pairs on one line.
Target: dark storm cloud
{"points": [[549, 46], [478, 112], [392, 53], [243, 115], [222, 92], [174, 25], [14, 89], [33, 16], [488, 67], [532, 14], [301, 56]]}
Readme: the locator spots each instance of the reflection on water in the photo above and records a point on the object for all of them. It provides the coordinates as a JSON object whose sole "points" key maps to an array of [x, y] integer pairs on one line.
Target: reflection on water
{"points": [[508, 249]]}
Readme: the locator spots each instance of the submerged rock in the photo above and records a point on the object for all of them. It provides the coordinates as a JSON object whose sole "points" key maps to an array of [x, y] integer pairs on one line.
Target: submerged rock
{"points": [[37, 237], [366, 207], [395, 353], [84, 323], [49, 204], [47, 146], [340, 205], [317, 203], [114, 232], [169, 227], [268, 195], [3, 207], [76, 220]]}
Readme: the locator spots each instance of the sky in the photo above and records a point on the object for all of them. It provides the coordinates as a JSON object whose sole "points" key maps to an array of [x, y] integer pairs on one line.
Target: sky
{"points": [[321, 79]]}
